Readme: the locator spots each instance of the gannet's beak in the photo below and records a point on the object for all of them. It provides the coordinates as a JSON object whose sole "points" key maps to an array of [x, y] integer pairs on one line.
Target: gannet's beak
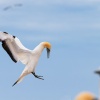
{"points": [[48, 53]]}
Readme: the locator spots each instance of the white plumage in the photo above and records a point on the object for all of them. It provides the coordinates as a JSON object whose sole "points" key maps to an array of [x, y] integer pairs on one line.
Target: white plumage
{"points": [[18, 52]]}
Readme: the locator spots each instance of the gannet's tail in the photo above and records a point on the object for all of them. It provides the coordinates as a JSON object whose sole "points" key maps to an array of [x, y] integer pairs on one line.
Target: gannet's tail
{"points": [[18, 81]]}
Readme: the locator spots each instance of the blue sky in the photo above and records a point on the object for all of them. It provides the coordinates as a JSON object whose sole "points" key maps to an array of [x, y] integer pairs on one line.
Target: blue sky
{"points": [[73, 29]]}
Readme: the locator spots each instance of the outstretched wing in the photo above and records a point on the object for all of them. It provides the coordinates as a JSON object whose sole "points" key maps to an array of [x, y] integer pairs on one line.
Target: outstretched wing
{"points": [[24, 54], [14, 48], [4, 36], [10, 47], [6, 40], [7, 49]]}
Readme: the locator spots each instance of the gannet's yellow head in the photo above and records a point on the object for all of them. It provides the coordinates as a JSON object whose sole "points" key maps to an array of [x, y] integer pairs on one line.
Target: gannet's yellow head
{"points": [[47, 45], [85, 96]]}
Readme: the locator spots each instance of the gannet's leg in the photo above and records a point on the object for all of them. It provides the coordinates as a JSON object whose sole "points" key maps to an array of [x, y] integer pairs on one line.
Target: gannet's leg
{"points": [[39, 77]]}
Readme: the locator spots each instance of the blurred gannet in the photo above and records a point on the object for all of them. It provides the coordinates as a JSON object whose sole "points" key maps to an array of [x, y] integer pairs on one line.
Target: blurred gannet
{"points": [[7, 8], [11, 6], [86, 96], [18, 52]]}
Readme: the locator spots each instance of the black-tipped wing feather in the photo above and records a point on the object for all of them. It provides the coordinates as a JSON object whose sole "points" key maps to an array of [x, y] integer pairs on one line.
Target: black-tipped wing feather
{"points": [[6, 48]]}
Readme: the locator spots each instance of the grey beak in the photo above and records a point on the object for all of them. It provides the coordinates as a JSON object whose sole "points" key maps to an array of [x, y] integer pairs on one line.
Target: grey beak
{"points": [[48, 52]]}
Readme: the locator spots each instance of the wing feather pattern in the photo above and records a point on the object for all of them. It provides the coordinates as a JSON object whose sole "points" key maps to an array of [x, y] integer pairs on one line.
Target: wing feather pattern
{"points": [[7, 49]]}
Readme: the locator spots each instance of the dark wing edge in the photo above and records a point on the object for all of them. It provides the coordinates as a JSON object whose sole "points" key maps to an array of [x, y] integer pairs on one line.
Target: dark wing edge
{"points": [[6, 48]]}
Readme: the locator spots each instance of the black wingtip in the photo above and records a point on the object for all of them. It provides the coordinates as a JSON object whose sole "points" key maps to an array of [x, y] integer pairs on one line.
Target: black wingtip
{"points": [[14, 36], [5, 32], [7, 49]]}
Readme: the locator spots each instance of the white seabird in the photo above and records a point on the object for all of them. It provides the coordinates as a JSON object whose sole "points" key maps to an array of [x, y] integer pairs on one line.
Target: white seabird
{"points": [[18, 52]]}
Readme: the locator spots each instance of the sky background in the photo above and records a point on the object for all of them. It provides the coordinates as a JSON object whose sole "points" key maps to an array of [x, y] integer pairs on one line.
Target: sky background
{"points": [[73, 29]]}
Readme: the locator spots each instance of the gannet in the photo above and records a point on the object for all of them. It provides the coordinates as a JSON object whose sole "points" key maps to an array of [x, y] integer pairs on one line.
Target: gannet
{"points": [[18, 52], [11, 6], [86, 96]]}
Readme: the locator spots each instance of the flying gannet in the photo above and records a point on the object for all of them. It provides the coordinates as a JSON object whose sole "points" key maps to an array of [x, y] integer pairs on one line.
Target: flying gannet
{"points": [[18, 52]]}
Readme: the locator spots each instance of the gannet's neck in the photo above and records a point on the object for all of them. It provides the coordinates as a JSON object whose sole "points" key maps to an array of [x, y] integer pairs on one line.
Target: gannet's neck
{"points": [[41, 46]]}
